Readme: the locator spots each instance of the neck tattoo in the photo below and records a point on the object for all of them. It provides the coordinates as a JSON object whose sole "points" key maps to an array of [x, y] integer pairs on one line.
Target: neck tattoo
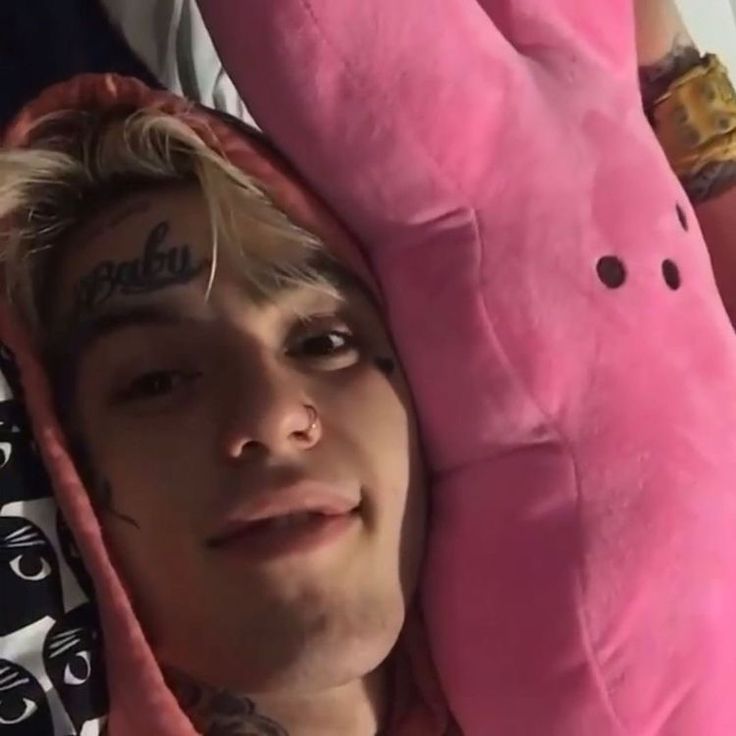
{"points": [[155, 269], [217, 712]]}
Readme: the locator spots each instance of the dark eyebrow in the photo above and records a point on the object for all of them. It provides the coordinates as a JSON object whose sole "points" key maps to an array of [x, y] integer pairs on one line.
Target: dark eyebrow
{"points": [[63, 354], [84, 333]]}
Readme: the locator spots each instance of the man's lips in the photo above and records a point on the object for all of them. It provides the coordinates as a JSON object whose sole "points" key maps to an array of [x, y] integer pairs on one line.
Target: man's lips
{"points": [[278, 507]]}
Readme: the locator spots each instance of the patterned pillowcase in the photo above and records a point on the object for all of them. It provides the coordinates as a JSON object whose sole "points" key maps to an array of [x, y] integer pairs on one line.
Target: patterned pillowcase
{"points": [[52, 678]]}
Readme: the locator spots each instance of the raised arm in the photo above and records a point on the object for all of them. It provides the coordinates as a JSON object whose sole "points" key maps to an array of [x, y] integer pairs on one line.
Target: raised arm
{"points": [[559, 325], [666, 50]]}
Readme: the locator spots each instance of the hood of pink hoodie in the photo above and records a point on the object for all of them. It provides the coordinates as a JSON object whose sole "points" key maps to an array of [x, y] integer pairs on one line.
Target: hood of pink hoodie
{"points": [[139, 701]]}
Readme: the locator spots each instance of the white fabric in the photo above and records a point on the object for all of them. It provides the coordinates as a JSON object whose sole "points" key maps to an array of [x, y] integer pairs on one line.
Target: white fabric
{"points": [[170, 37], [713, 26]]}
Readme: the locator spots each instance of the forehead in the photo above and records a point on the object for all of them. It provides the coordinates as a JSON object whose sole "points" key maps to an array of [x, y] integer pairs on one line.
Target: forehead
{"points": [[155, 248], [152, 229]]}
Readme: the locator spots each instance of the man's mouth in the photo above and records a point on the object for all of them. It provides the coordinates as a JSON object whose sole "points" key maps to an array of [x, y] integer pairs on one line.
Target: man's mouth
{"points": [[287, 521], [288, 534], [290, 519]]}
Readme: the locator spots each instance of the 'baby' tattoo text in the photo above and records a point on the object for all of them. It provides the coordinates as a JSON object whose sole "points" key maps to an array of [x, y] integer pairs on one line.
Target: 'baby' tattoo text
{"points": [[155, 269]]}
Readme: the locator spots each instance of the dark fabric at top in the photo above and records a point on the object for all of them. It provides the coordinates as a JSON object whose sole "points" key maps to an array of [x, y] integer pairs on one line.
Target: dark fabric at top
{"points": [[47, 41]]}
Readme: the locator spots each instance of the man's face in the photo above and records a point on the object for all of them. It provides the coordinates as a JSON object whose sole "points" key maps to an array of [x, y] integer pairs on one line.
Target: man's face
{"points": [[199, 414]]}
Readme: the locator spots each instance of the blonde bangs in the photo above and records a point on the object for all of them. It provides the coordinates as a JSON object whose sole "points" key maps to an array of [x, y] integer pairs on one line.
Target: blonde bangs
{"points": [[79, 160]]}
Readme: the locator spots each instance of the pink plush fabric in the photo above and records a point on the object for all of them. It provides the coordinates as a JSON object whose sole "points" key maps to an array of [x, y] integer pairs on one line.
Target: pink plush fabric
{"points": [[581, 576], [140, 702]]}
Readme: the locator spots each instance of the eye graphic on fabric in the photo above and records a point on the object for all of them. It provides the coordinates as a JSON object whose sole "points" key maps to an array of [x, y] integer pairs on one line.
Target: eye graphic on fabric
{"points": [[23, 711], [29, 575], [77, 672], [6, 451], [72, 656], [9, 369], [23, 707], [30, 566], [22, 472]]}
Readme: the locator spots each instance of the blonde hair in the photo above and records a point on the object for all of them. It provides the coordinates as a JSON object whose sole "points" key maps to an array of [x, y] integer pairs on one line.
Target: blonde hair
{"points": [[80, 159]]}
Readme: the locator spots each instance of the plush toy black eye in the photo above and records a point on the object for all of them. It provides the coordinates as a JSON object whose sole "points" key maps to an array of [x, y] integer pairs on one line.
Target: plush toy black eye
{"points": [[683, 218], [671, 274], [611, 271]]}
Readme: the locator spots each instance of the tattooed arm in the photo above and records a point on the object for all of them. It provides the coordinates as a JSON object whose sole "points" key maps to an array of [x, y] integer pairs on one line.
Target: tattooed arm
{"points": [[664, 45], [666, 50], [217, 712]]}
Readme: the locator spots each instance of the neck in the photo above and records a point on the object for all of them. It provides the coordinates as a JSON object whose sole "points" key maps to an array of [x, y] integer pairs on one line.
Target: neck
{"points": [[358, 708]]}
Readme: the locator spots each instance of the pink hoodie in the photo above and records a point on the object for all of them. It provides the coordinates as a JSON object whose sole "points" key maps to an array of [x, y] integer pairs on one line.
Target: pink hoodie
{"points": [[140, 702]]}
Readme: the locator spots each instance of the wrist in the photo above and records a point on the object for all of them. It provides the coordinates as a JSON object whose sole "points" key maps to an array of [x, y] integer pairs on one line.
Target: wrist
{"points": [[660, 28], [695, 122], [710, 182], [657, 77]]}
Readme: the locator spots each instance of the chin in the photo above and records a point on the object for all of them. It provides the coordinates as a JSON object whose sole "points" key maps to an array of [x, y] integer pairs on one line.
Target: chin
{"points": [[326, 653], [337, 664]]}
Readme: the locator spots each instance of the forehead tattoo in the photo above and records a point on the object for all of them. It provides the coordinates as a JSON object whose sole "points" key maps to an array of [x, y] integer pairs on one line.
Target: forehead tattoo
{"points": [[160, 265]]}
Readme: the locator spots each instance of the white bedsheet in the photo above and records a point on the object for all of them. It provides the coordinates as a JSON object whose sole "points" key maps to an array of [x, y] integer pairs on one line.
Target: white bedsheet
{"points": [[170, 37]]}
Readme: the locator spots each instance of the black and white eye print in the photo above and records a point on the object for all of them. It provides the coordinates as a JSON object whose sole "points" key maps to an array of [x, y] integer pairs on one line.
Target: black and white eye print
{"points": [[29, 574], [72, 656], [52, 680], [10, 386], [22, 475], [24, 710]]}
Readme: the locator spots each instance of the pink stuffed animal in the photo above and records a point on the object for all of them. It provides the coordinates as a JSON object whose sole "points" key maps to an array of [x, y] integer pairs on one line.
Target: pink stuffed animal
{"points": [[552, 299]]}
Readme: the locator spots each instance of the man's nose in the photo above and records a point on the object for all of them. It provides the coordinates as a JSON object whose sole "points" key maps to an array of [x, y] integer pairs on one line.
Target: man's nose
{"points": [[266, 409]]}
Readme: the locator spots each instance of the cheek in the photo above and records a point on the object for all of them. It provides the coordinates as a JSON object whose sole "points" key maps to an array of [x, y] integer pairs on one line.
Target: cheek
{"points": [[366, 407], [159, 557], [403, 453], [153, 466], [375, 413]]}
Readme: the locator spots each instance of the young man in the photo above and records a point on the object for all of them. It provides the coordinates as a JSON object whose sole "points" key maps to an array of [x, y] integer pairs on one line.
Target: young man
{"points": [[239, 417]]}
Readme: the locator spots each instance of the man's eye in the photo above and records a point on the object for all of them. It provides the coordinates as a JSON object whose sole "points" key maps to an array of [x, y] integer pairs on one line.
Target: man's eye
{"points": [[325, 344], [153, 385]]}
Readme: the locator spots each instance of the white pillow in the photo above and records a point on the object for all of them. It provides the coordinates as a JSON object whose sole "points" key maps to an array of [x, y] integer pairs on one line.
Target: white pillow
{"points": [[170, 37]]}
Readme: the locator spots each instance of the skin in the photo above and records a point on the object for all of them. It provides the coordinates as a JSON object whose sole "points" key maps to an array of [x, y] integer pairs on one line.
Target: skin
{"points": [[660, 33], [665, 46], [184, 417]]}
